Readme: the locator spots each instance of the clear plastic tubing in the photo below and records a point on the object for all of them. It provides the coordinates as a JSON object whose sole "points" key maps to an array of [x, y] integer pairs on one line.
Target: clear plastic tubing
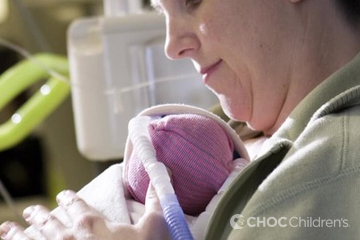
{"points": [[159, 177]]}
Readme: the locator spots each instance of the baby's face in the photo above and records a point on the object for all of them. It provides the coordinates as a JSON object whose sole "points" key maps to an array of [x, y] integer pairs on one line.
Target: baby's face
{"points": [[197, 150]]}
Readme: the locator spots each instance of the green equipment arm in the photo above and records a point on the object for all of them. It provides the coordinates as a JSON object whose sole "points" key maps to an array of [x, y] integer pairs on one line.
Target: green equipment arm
{"points": [[18, 78]]}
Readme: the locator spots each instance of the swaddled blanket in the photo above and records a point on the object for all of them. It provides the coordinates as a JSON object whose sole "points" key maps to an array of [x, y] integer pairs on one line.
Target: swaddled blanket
{"points": [[107, 193]]}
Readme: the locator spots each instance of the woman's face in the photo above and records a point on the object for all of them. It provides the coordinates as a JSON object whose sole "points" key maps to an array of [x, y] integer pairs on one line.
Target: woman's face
{"points": [[238, 47]]}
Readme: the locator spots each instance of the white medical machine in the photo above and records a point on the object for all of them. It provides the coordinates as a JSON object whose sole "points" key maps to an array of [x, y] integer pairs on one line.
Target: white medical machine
{"points": [[118, 67]]}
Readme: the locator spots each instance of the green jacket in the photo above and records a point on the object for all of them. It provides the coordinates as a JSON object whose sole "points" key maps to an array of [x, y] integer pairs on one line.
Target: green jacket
{"points": [[306, 182]]}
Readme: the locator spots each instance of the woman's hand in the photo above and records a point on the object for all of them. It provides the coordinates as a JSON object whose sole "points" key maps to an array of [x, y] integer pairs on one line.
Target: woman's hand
{"points": [[89, 223]]}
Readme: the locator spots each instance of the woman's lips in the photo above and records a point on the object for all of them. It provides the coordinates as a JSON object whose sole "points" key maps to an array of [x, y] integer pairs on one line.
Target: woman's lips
{"points": [[209, 70]]}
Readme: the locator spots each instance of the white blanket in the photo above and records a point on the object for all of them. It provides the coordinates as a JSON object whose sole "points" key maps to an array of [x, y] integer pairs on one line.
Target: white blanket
{"points": [[106, 194]]}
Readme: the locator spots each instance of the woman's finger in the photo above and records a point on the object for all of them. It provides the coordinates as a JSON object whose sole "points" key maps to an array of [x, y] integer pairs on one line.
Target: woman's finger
{"points": [[72, 204], [153, 217], [12, 231], [47, 224], [82, 215], [152, 202]]}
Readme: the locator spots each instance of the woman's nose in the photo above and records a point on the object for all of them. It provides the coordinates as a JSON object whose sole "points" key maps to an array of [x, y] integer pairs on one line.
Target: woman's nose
{"points": [[181, 40]]}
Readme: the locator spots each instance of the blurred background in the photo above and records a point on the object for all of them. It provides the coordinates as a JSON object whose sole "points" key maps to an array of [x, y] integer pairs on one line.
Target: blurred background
{"points": [[47, 161]]}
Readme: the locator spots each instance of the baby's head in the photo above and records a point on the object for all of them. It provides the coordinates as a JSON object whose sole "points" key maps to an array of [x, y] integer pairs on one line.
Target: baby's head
{"points": [[197, 150], [196, 145]]}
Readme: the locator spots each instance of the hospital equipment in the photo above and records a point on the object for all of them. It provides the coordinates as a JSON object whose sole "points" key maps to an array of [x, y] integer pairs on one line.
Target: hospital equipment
{"points": [[118, 67], [39, 106]]}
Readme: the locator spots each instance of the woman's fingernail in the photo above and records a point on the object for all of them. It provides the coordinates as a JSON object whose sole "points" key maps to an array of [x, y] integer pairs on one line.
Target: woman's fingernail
{"points": [[65, 197], [3, 236], [61, 196], [5, 229], [28, 212]]}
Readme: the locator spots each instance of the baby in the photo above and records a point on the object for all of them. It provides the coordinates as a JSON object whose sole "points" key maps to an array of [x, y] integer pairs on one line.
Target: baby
{"points": [[198, 148]]}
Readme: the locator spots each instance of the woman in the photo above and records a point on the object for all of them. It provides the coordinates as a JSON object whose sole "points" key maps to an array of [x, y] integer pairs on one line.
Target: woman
{"points": [[289, 69]]}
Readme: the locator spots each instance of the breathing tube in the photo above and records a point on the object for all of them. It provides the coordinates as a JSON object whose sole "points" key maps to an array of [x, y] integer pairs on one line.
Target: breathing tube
{"points": [[159, 177]]}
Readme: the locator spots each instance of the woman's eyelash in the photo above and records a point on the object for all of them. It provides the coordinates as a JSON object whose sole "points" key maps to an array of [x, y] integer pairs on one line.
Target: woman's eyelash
{"points": [[190, 3]]}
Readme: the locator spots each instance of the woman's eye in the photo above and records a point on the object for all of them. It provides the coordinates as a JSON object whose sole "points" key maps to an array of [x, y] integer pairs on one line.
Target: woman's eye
{"points": [[192, 3]]}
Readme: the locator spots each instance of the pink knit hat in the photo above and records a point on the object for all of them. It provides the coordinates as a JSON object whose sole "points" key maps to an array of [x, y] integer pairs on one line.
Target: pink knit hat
{"points": [[198, 150]]}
